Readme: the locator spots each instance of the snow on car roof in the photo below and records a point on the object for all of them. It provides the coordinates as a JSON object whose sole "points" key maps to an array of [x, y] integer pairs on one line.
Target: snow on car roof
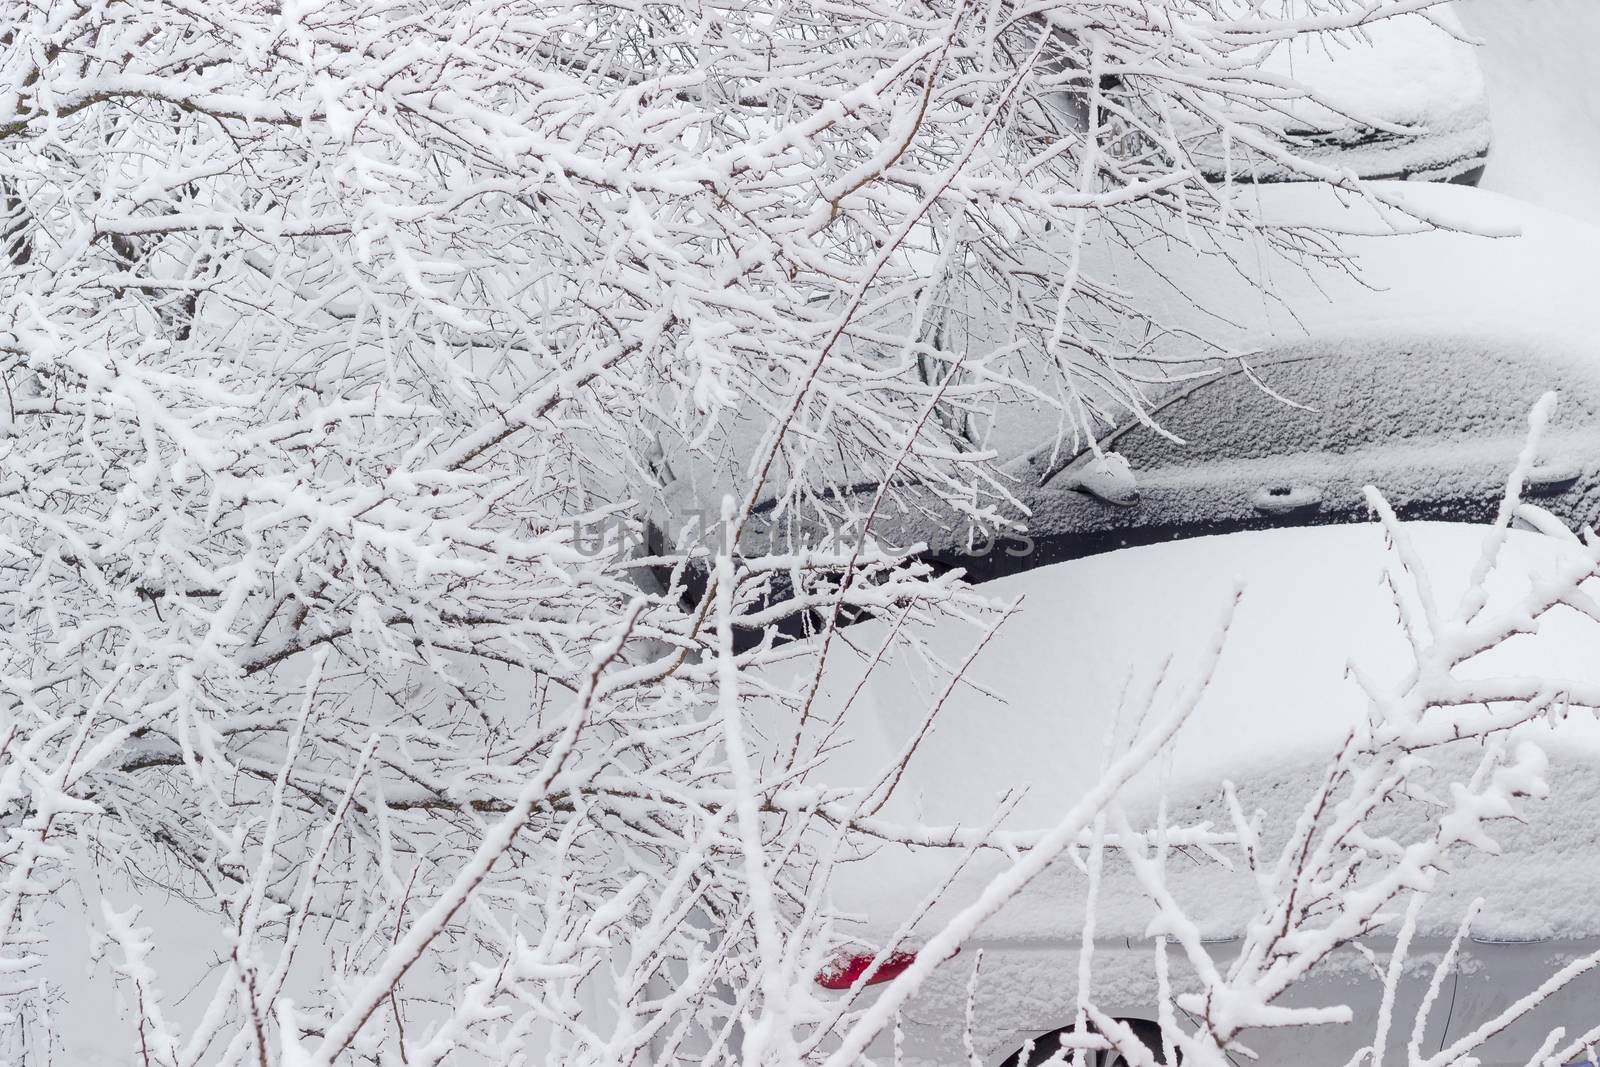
{"points": [[1495, 270], [1492, 264], [1406, 69], [1059, 690], [1400, 97]]}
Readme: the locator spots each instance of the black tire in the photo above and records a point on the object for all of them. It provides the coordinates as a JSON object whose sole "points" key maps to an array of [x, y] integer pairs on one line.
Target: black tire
{"points": [[1047, 1045]]}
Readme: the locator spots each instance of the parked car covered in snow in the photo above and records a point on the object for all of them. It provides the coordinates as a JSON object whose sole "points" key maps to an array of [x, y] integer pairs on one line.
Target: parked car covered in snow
{"points": [[1288, 438], [1292, 437], [1417, 377], [1094, 655]]}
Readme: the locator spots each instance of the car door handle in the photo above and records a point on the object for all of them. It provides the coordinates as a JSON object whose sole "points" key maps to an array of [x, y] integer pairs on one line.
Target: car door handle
{"points": [[1287, 498]]}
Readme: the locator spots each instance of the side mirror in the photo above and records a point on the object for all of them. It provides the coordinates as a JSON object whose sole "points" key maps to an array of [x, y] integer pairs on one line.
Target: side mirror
{"points": [[1105, 476], [1551, 477]]}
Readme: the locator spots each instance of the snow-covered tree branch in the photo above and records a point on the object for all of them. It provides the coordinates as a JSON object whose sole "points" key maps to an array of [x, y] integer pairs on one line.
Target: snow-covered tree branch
{"points": [[327, 330]]}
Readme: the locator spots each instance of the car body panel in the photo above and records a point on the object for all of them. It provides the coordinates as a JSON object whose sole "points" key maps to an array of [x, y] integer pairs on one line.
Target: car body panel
{"points": [[1046, 703], [1020, 992]]}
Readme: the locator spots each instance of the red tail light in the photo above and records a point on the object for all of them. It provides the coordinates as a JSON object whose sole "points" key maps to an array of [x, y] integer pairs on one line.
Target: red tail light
{"points": [[848, 964]]}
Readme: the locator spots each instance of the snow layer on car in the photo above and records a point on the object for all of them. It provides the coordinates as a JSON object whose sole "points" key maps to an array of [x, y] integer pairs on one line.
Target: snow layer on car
{"points": [[1504, 274], [1063, 686], [1408, 71], [1436, 421], [1491, 264], [1544, 99], [1497, 270]]}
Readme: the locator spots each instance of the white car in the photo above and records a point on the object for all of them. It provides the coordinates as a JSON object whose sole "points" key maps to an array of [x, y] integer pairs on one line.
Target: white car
{"points": [[1058, 693]]}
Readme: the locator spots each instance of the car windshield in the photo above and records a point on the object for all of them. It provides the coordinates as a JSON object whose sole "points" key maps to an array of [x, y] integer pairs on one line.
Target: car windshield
{"points": [[1358, 397]]}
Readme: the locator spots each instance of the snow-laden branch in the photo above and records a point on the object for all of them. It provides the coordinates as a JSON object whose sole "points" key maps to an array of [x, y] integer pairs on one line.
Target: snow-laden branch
{"points": [[345, 350]]}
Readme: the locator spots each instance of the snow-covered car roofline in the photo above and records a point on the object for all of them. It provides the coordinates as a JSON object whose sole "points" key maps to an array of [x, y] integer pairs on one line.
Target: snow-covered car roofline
{"points": [[1493, 264]]}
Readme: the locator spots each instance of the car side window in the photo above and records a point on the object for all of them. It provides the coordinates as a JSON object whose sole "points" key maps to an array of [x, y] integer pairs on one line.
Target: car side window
{"points": [[1360, 396], [1448, 391], [1232, 417]]}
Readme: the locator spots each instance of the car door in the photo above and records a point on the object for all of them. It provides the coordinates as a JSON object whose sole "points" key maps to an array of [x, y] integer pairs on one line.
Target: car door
{"points": [[1351, 977], [1296, 439], [1243, 449], [1438, 425], [1495, 974]]}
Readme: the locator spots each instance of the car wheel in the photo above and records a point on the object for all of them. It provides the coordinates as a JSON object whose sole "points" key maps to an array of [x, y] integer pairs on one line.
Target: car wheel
{"points": [[1046, 1048]]}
